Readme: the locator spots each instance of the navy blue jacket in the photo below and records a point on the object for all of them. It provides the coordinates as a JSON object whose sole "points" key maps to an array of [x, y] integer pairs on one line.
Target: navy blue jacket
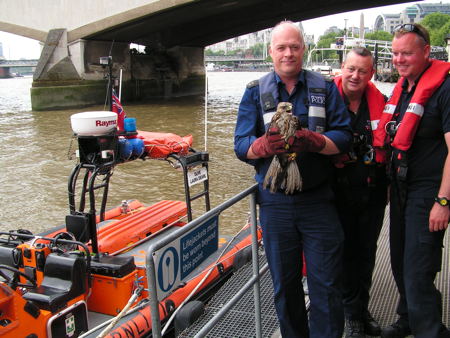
{"points": [[315, 168]]}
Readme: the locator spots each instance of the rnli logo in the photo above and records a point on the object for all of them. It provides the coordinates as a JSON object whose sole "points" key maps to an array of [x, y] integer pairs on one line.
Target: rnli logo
{"points": [[317, 99], [415, 108], [70, 325], [168, 269]]}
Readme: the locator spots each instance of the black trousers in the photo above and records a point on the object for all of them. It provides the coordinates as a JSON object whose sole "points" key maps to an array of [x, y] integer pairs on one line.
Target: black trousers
{"points": [[416, 257], [361, 212], [292, 224]]}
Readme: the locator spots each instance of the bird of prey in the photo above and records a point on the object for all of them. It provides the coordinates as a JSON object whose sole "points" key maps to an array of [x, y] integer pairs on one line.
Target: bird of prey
{"points": [[283, 172]]}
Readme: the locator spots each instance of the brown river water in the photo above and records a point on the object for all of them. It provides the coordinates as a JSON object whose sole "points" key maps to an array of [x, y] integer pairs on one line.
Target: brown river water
{"points": [[34, 149]]}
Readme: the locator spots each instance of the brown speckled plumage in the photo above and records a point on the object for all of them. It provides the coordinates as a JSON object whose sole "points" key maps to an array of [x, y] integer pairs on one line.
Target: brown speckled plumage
{"points": [[283, 172]]}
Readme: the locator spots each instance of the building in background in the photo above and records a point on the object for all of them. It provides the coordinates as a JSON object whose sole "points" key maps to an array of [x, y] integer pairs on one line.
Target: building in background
{"points": [[247, 41], [332, 29], [384, 22], [411, 14], [242, 42]]}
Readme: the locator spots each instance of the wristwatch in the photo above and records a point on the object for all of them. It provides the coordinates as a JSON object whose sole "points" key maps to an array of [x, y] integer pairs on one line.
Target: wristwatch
{"points": [[443, 201]]}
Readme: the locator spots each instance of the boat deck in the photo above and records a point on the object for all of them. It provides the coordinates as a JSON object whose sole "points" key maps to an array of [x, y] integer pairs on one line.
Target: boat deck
{"points": [[240, 320]]}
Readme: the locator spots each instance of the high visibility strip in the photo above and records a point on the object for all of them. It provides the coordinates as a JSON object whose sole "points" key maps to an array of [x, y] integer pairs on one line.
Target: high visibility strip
{"points": [[415, 108], [374, 124], [315, 111], [268, 117], [389, 109]]}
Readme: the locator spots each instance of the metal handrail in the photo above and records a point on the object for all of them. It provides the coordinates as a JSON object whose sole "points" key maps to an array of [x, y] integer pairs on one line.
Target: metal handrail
{"points": [[154, 247]]}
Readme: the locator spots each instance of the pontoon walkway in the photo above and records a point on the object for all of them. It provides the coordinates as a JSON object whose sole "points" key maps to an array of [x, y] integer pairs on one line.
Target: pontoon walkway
{"points": [[240, 320]]}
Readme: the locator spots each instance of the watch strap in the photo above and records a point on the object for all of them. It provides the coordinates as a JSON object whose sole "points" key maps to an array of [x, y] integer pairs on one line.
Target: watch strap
{"points": [[443, 201]]}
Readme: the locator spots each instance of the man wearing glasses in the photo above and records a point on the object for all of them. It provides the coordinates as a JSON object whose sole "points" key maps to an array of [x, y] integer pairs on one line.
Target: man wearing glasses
{"points": [[415, 125]]}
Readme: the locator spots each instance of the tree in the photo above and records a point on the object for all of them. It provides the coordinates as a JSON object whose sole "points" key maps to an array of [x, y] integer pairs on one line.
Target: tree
{"points": [[435, 21], [256, 50], [325, 41], [209, 52], [439, 37], [437, 25], [379, 35]]}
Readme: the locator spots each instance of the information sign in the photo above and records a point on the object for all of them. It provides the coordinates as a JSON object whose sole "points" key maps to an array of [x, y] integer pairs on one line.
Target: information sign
{"points": [[197, 175], [176, 260]]}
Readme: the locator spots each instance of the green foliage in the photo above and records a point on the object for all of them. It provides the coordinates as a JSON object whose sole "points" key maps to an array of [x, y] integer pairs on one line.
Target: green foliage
{"points": [[236, 52], [209, 52], [379, 35], [324, 42], [438, 25], [438, 38], [256, 50], [435, 21], [327, 39]]}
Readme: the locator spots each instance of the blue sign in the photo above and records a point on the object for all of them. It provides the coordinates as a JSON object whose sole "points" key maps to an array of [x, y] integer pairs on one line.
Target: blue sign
{"points": [[168, 269], [198, 245]]}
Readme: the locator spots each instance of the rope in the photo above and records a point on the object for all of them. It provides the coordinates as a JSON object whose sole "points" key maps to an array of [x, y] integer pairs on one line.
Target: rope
{"points": [[132, 299], [138, 307]]}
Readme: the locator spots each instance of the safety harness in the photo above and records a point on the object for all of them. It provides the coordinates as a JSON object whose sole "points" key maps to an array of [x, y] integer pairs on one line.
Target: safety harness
{"points": [[269, 97], [376, 102], [402, 134], [431, 79]]}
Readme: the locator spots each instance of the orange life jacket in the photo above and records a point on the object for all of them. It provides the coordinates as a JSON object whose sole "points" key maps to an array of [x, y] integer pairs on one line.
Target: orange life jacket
{"points": [[375, 102], [430, 81]]}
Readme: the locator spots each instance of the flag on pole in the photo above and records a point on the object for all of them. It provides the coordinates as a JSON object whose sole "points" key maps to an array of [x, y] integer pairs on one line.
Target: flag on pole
{"points": [[118, 109]]}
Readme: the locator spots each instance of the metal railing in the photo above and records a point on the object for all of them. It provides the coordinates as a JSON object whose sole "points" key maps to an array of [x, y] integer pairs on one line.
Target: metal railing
{"points": [[254, 281], [216, 58]]}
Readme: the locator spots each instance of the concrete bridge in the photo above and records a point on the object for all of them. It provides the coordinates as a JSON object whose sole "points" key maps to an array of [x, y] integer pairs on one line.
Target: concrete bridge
{"points": [[75, 34], [6, 65]]}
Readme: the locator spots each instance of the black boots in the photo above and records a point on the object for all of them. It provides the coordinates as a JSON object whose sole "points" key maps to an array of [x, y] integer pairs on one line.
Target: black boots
{"points": [[371, 327], [359, 328], [354, 329], [399, 329]]}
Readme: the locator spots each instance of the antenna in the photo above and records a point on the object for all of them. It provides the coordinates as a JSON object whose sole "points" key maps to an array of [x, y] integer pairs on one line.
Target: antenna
{"points": [[106, 61]]}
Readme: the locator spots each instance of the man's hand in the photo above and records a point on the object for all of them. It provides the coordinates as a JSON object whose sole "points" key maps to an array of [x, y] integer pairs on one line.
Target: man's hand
{"points": [[306, 140], [439, 217], [270, 144]]}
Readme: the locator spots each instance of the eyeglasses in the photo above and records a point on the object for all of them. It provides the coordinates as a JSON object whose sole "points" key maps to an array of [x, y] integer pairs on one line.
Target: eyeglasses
{"points": [[409, 27]]}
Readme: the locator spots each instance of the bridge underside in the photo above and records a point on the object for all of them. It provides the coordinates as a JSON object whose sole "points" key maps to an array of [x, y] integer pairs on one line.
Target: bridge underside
{"points": [[202, 23], [174, 36]]}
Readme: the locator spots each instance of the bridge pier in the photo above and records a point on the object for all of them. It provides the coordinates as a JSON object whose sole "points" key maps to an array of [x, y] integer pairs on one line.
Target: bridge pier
{"points": [[69, 75], [5, 73]]}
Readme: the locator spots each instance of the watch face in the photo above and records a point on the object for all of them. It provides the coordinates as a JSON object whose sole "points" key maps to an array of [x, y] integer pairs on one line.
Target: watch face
{"points": [[442, 201]]}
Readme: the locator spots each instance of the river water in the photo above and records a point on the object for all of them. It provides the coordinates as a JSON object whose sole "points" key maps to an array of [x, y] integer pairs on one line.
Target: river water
{"points": [[35, 148]]}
